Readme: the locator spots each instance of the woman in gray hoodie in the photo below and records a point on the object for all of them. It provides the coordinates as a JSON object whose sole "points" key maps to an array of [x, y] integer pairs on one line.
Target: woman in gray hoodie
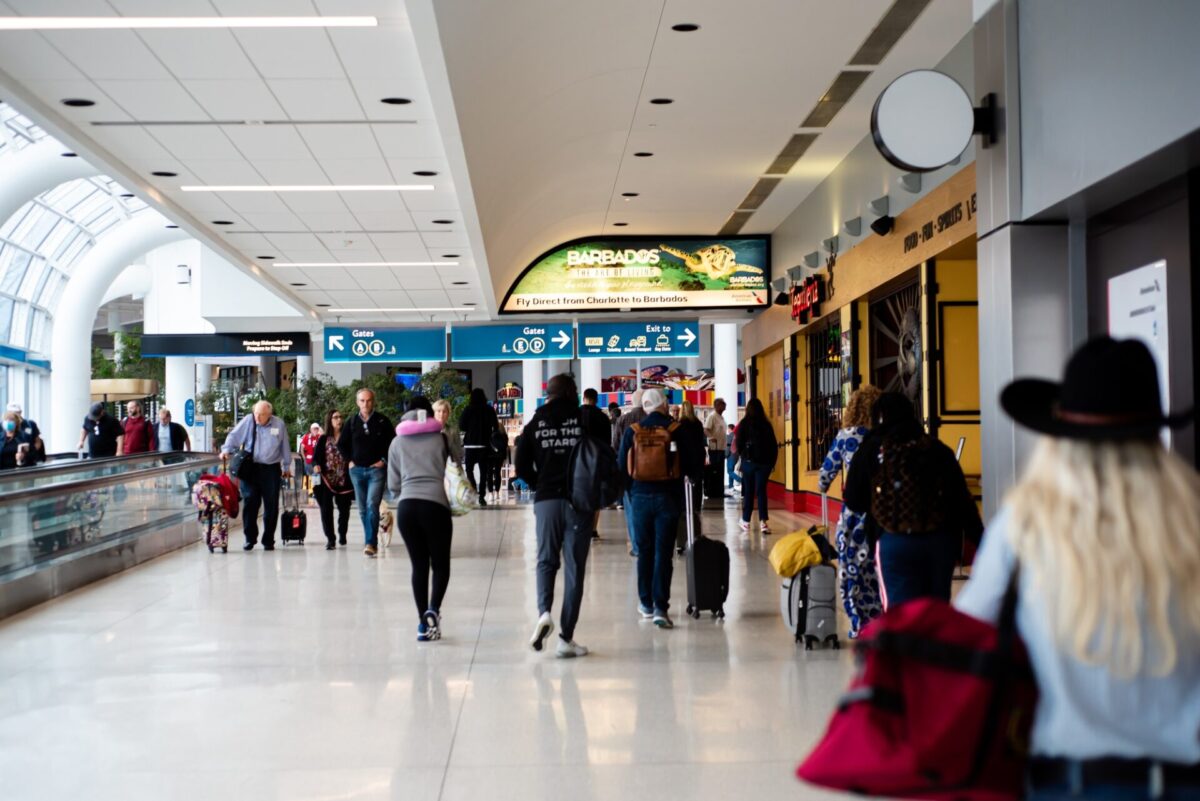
{"points": [[416, 472]]}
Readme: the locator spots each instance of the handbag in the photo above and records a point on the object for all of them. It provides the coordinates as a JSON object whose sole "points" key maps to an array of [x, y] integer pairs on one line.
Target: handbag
{"points": [[459, 493], [241, 463], [941, 708]]}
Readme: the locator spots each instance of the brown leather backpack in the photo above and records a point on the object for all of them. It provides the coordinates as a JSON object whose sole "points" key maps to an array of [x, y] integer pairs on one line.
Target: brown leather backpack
{"points": [[650, 458], [910, 493]]}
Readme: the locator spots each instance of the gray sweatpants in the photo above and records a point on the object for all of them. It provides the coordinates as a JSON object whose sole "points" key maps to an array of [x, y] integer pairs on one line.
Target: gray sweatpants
{"points": [[561, 530]]}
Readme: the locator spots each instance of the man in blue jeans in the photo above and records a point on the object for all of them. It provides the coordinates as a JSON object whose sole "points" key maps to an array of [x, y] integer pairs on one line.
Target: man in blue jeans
{"points": [[654, 505], [635, 415], [265, 438], [364, 444]]}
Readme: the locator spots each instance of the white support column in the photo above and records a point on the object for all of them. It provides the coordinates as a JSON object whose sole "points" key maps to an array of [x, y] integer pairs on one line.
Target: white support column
{"points": [[531, 386], [71, 342], [428, 367], [181, 387], [590, 373], [557, 367], [34, 170], [725, 366]]}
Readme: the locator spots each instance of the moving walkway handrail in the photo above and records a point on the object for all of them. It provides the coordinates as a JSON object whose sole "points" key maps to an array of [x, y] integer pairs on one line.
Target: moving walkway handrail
{"points": [[85, 484], [56, 468]]}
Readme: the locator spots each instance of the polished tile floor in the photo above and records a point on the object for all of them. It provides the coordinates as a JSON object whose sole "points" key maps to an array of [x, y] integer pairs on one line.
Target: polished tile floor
{"points": [[296, 675]]}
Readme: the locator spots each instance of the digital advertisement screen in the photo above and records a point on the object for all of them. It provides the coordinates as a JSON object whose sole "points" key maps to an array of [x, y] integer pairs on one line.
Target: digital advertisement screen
{"points": [[643, 273]]}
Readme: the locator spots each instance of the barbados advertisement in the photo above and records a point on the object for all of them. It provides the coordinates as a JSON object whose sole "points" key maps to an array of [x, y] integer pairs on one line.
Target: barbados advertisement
{"points": [[643, 273]]}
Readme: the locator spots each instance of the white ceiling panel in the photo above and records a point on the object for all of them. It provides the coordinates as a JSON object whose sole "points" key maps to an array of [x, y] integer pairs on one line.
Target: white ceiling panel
{"points": [[200, 54], [115, 55], [297, 241], [429, 297], [387, 202], [314, 296], [187, 142], [67, 8], [344, 241], [401, 243], [32, 58], [288, 274], [449, 239], [250, 243], [371, 92], [292, 172], [425, 220], [52, 92], [409, 141], [335, 278], [418, 277], [384, 221], [150, 8], [462, 272], [393, 299], [457, 297], [349, 298], [383, 52], [357, 171], [391, 14], [274, 221], [314, 202], [339, 141], [269, 142], [290, 52], [313, 99], [437, 201], [127, 139], [154, 100], [373, 277], [218, 172], [236, 99], [324, 221], [254, 202]]}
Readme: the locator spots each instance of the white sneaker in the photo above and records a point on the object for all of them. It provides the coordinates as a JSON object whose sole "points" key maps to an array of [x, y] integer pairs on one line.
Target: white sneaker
{"points": [[663, 621], [745, 524], [646, 612], [569, 650], [543, 629], [764, 528]]}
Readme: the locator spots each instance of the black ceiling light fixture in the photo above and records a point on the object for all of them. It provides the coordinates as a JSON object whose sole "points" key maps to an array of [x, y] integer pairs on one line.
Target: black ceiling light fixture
{"points": [[222, 222], [127, 194], [265, 258], [297, 284], [642, 154], [424, 173], [395, 101], [459, 283], [469, 303], [629, 194], [78, 102], [620, 224], [171, 226], [443, 222], [70, 155], [323, 305], [164, 174], [661, 101], [685, 27], [450, 256]]}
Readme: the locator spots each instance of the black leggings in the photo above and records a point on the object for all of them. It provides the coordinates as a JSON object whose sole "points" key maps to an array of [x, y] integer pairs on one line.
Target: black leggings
{"points": [[326, 500], [427, 531]]}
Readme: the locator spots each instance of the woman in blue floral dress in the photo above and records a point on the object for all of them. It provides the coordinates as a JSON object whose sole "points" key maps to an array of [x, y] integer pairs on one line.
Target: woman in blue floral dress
{"points": [[857, 579]]}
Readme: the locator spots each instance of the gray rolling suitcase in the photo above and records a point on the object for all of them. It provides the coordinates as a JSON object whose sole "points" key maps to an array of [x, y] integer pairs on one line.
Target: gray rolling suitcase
{"points": [[809, 600]]}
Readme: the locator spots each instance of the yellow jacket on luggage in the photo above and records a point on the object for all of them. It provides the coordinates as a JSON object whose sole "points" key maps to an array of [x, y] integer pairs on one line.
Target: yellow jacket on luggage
{"points": [[793, 553]]}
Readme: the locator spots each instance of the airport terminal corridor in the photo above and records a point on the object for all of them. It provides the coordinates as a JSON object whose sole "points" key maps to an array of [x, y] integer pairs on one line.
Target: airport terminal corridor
{"points": [[295, 674]]}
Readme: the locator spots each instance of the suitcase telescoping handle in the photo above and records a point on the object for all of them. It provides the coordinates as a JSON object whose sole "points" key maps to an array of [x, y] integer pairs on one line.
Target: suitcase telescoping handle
{"points": [[825, 510], [687, 511]]}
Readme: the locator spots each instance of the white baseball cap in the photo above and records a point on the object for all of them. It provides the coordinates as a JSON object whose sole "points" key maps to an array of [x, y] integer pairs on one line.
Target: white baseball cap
{"points": [[14, 407], [653, 399]]}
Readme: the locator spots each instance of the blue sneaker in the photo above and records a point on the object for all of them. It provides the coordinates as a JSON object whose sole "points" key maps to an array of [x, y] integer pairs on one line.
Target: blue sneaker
{"points": [[646, 612], [422, 632], [432, 622]]}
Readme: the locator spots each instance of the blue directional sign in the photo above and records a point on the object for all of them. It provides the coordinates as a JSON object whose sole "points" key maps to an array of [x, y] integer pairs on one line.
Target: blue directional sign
{"points": [[189, 412], [370, 344], [607, 340], [505, 342]]}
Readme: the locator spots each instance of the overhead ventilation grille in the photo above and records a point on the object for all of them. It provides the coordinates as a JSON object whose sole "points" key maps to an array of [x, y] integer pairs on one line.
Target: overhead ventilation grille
{"points": [[247, 123], [895, 23], [843, 88], [735, 222], [759, 193], [791, 153]]}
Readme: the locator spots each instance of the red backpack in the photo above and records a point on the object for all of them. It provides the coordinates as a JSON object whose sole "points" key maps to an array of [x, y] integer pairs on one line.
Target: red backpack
{"points": [[228, 487]]}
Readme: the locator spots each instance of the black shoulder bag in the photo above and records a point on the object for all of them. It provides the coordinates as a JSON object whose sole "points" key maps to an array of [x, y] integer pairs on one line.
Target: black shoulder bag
{"points": [[241, 464]]}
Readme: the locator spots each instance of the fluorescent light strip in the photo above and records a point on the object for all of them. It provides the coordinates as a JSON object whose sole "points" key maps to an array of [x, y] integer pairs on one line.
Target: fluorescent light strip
{"points": [[315, 188], [401, 311], [364, 264], [128, 23]]}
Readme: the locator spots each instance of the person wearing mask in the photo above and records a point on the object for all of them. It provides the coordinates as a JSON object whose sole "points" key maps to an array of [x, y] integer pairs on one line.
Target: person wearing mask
{"points": [[543, 456], [441, 411], [634, 415], [30, 429], [857, 580], [715, 430], [914, 490], [137, 430], [416, 473], [331, 479], [167, 436], [595, 420], [308, 445], [694, 447], [477, 422], [16, 448], [758, 449], [364, 445], [1103, 528], [103, 434], [265, 438]]}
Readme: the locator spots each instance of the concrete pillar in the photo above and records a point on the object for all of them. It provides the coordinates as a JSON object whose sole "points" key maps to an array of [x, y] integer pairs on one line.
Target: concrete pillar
{"points": [[590, 373], [531, 386], [557, 367], [203, 377], [428, 367], [725, 366], [304, 369], [268, 370], [181, 386]]}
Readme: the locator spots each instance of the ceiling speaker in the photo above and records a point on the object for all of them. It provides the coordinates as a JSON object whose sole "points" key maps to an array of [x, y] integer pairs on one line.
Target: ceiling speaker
{"points": [[884, 225]]}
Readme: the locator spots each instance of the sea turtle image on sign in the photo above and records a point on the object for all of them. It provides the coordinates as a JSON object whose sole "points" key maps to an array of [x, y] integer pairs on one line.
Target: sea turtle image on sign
{"points": [[718, 262]]}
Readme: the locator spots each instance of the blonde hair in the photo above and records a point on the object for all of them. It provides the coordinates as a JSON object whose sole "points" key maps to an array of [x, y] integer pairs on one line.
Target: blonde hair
{"points": [[858, 410], [442, 403], [687, 411], [1110, 531]]}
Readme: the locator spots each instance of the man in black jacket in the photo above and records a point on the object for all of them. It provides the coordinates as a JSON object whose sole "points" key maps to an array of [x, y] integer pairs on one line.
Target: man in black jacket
{"points": [[364, 444], [168, 436], [477, 423], [594, 420], [543, 459]]}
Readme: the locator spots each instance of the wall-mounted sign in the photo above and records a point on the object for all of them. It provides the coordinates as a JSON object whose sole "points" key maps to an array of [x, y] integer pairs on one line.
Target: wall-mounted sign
{"points": [[189, 412], [807, 298], [943, 222], [922, 121], [677, 272], [293, 343], [509, 391], [602, 340], [369, 344], [488, 343], [1137, 309]]}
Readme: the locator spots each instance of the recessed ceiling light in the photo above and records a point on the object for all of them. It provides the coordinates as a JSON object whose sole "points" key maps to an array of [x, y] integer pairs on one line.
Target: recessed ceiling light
{"points": [[629, 194], [642, 154], [323, 305], [264, 257], [310, 188], [450, 256], [424, 173], [164, 173], [129, 23], [127, 194], [685, 27], [70, 155], [365, 264], [297, 284], [396, 101], [222, 222], [459, 283], [469, 303], [78, 102], [443, 222], [661, 101], [620, 225], [400, 311], [171, 226]]}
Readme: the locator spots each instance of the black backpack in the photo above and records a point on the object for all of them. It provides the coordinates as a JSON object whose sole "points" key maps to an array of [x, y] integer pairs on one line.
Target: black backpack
{"points": [[593, 479], [499, 442]]}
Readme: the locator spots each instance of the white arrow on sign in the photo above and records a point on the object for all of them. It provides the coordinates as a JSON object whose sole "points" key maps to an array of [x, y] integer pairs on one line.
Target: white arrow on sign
{"points": [[687, 337], [335, 342], [562, 339]]}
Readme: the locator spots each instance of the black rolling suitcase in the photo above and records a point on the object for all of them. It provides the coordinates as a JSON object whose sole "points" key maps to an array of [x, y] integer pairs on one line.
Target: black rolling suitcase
{"points": [[707, 567], [293, 524]]}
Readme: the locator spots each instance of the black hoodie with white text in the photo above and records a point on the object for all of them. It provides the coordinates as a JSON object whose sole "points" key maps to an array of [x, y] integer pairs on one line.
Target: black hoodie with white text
{"points": [[544, 449]]}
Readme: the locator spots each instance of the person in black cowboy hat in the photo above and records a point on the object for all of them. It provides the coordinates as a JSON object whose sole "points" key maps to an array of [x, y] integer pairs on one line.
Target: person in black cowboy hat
{"points": [[1105, 525]]}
